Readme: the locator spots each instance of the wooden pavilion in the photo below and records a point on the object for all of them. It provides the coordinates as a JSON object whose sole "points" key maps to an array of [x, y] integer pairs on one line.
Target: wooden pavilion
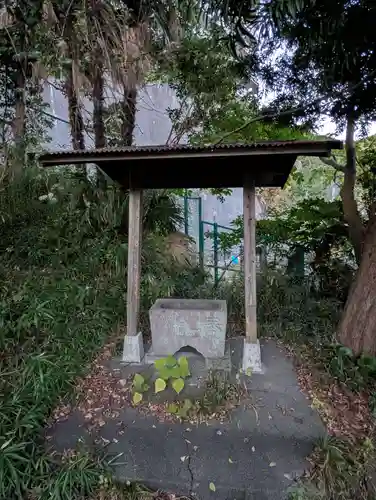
{"points": [[260, 164]]}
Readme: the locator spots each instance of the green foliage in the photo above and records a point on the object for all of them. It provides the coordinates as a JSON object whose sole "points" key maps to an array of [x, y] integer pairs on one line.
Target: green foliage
{"points": [[139, 386], [341, 471], [176, 370], [168, 369], [160, 385], [220, 394], [181, 409], [357, 372], [313, 226], [62, 293], [208, 111]]}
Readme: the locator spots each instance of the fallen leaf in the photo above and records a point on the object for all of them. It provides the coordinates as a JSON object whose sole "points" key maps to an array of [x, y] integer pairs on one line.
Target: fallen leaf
{"points": [[188, 429], [230, 461], [246, 440], [219, 433], [211, 486], [183, 458], [123, 382], [115, 440], [253, 449], [195, 448], [272, 464]]}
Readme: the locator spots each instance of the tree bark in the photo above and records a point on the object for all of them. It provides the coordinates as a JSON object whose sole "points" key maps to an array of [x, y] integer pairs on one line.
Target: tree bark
{"points": [[75, 116], [128, 107], [357, 329], [76, 122], [350, 207], [19, 122], [98, 98], [98, 108]]}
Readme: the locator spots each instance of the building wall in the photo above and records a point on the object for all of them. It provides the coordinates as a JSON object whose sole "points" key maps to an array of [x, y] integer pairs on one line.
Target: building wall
{"points": [[152, 128]]}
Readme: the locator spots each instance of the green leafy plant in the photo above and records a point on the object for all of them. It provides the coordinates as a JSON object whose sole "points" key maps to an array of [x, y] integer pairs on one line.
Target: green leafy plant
{"points": [[173, 370], [181, 409], [139, 386]]}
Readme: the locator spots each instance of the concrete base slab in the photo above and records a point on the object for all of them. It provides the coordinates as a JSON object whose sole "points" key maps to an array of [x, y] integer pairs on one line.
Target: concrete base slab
{"points": [[133, 349], [252, 357], [279, 427]]}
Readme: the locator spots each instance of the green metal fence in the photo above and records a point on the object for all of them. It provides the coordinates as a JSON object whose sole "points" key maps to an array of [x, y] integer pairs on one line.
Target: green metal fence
{"points": [[207, 237]]}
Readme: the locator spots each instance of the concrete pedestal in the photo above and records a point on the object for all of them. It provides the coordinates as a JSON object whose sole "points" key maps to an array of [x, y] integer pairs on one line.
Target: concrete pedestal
{"points": [[133, 350], [252, 357]]}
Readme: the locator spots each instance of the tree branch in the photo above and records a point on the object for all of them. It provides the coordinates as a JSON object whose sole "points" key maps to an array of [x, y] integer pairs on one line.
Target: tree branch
{"points": [[288, 111], [264, 116], [332, 163]]}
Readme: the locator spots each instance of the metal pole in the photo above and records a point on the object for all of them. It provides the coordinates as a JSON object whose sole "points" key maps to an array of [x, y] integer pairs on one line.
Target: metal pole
{"points": [[201, 246], [215, 256], [186, 227]]}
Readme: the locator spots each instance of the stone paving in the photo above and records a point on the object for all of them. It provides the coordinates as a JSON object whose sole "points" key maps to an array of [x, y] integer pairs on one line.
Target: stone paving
{"points": [[256, 453]]}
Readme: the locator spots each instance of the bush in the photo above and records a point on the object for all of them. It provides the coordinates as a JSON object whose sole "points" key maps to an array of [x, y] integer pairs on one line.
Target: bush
{"points": [[62, 292]]}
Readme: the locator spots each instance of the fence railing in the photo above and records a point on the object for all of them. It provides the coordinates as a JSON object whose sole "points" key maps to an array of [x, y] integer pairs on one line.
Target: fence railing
{"points": [[207, 238]]}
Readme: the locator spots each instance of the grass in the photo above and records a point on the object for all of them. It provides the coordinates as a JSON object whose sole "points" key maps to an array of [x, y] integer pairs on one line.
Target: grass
{"points": [[341, 471], [62, 294]]}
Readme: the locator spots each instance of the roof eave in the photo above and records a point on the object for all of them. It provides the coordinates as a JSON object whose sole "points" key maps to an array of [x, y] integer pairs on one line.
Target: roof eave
{"points": [[314, 149]]}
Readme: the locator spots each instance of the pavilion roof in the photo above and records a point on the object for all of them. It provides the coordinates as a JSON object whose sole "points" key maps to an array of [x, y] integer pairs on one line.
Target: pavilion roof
{"points": [[268, 163]]}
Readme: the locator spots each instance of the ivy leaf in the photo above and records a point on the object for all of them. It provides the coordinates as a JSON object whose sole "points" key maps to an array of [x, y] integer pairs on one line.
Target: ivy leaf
{"points": [[138, 382], [173, 408], [171, 372], [160, 364], [170, 362], [164, 373], [188, 404], [212, 487], [184, 367], [137, 398], [160, 385], [178, 385]]}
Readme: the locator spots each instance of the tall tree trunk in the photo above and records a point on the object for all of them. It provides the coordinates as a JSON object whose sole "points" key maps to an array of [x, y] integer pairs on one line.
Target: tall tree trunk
{"points": [[98, 108], [75, 116], [128, 121], [98, 98], [357, 329], [76, 121], [350, 207], [19, 122]]}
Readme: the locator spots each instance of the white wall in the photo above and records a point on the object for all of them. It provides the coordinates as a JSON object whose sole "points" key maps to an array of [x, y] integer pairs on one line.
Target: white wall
{"points": [[152, 128]]}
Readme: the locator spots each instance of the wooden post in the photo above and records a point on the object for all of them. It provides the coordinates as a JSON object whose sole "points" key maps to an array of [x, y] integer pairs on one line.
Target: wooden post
{"points": [[249, 209], [134, 260]]}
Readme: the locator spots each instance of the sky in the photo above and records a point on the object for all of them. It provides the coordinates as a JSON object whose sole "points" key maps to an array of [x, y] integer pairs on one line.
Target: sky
{"points": [[329, 128]]}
